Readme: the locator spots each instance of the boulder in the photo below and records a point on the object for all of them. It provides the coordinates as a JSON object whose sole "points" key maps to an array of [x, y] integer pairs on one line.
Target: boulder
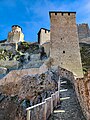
{"points": [[13, 64], [35, 57], [3, 70]]}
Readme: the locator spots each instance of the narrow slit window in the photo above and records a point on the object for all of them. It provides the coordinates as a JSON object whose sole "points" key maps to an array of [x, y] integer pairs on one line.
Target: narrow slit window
{"points": [[63, 51], [55, 13], [69, 14]]}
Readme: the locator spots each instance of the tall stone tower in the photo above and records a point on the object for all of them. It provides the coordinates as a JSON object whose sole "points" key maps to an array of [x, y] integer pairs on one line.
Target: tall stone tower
{"points": [[15, 35], [64, 47]]}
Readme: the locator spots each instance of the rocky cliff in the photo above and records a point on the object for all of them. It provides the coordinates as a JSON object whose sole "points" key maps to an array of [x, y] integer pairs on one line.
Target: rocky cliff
{"points": [[19, 91], [27, 55]]}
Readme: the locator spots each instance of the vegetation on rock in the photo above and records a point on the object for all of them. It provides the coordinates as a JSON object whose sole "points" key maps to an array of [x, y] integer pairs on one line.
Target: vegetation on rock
{"points": [[85, 56]]}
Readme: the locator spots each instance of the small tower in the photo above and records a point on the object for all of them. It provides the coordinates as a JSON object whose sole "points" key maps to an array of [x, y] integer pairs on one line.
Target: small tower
{"points": [[83, 30], [43, 36], [64, 42], [15, 35]]}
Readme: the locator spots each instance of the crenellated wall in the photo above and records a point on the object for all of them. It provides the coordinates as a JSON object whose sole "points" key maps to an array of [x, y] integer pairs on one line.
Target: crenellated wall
{"points": [[43, 36], [83, 31], [15, 35]]}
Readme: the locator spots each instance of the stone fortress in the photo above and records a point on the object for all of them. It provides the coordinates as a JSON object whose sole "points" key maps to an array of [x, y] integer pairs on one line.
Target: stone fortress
{"points": [[61, 42], [82, 29], [39, 65], [43, 36], [15, 35], [83, 33]]}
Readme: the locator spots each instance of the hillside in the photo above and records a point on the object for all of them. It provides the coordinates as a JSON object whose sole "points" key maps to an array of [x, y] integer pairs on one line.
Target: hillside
{"points": [[27, 55], [85, 55]]}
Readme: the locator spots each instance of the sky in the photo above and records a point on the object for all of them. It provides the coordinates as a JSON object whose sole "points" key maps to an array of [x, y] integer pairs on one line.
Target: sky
{"points": [[32, 15]]}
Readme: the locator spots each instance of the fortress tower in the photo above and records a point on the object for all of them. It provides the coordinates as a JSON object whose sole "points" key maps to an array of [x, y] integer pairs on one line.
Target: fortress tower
{"points": [[64, 42], [83, 31], [15, 35], [43, 36]]}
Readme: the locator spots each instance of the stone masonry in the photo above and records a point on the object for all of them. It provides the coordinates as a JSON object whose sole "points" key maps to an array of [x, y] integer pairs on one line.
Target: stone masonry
{"points": [[64, 43], [15, 35], [83, 34], [43, 36], [83, 31]]}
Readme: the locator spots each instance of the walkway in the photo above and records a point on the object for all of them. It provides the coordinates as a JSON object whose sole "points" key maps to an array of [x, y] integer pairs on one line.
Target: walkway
{"points": [[69, 108]]}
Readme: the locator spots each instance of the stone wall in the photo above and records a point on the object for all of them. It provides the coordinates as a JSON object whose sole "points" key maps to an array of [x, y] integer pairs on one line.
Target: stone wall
{"points": [[43, 36], [83, 31], [15, 35], [64, 42], [82, 87], [15, 75], [47, 48]]}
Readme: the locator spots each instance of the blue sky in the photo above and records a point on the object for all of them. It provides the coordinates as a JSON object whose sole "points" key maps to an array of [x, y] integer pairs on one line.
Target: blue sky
{"points": [[31, 15]]}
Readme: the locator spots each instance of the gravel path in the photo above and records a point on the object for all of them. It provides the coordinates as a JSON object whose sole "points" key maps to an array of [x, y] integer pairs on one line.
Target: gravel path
{"points": [[71, 105]]}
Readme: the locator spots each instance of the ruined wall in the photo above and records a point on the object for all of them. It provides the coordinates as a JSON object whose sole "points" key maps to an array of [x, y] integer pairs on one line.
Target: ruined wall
{"points": [[82, 87], [43, 36], [64, 42], [84, 33]]}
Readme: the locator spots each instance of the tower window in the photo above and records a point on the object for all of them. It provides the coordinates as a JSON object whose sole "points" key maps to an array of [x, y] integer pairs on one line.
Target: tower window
{"points": [[61, 38], [62, 14], [63, 51]]}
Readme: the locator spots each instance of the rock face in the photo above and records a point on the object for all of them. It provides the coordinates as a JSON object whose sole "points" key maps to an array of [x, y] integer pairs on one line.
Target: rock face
{"points": [[27, 55], [28, 86], [3, 71], [9, 108], [25, 91]]}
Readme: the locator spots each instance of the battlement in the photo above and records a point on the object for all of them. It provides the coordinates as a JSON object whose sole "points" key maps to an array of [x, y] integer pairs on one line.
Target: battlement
{"points": [[60, 13], [16, 34], [43, 36], [16, 28], [83, 24], [83, 30], [44, 29], [64, 43]]}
